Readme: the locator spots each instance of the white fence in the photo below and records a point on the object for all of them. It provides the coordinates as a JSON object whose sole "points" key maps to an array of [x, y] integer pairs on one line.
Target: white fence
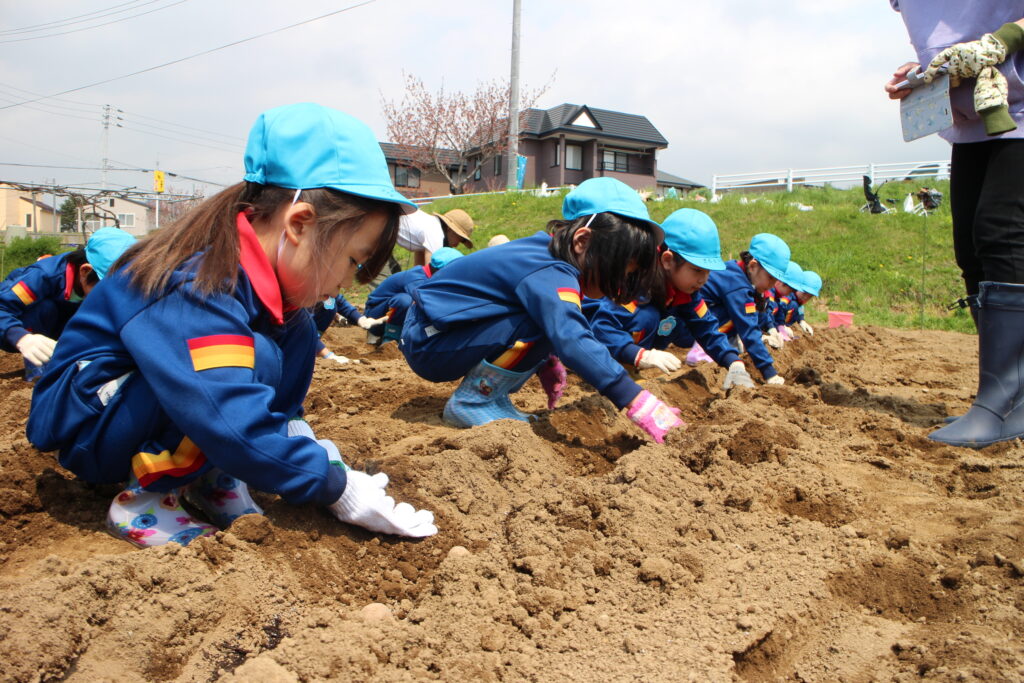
{"points": [[836, 175]]}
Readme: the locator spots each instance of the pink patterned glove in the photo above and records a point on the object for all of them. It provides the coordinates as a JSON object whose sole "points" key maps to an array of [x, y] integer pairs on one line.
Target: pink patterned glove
{"points": [[553, 378], [653, 415], [785, 333]]}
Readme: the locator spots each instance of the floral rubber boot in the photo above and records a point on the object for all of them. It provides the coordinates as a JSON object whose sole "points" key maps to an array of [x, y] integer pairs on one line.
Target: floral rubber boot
{"points": [[221, 497], [151, 518]]}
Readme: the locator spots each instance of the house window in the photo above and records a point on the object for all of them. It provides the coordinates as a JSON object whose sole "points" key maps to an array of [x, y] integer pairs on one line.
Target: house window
{"points": [[126, 220], [476, 173], [111, 202], [498, 164], [615, 161], [28, 220], [558, 155], [574, 157], [406, 176]]}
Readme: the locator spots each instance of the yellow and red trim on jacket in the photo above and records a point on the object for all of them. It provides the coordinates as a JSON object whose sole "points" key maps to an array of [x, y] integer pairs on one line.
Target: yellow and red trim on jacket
{"points": [[750, 308], [701, 309], [222, 351], [186, 458], [570, 295], [24, 292], [513, 355]]}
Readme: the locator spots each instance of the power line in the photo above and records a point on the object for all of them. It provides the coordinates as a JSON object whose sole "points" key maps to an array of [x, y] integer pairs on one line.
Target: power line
{"points": [[198, 54], [88, 28], [65, 20]]}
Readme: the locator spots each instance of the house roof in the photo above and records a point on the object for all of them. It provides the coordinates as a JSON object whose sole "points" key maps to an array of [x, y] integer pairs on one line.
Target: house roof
{"points": [[393, 152], [42, 205], [612, 124], [670, 180]]}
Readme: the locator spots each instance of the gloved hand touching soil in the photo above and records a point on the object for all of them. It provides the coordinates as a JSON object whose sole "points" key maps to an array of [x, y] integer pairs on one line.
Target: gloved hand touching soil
{"points": [[365, 503], [737, 376], [36, 348], [806, 328], [369, 323], [653, 358], [653, 415]]}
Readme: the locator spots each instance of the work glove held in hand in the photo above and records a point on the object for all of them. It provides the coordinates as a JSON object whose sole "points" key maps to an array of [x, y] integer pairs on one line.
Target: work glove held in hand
{"points": [[553, 378], [991, 103], [966, 60], [737, 376], [785, 333], [772, 339], [653, 415], [806, 327], [364, 503], [777, 379], [369, 323], [36, 348], [663, 360]]}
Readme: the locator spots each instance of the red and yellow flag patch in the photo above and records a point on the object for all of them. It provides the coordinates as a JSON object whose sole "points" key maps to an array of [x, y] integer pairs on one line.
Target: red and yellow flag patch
{"points": [[570, 295], [726, 328], [749, 307], [23, 292], [701, 309], [631, 306], [511, 358], [186, 458], [638, 336], [222, 351]]}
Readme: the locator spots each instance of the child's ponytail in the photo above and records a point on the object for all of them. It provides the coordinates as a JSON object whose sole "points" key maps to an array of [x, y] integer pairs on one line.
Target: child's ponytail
{"points": [[759, 300]]}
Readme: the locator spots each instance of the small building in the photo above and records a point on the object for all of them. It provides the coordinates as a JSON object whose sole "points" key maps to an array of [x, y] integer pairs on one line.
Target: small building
{"points": [[681, 185], [411, 181], [570, 143], [132, 216], [26, 209]]}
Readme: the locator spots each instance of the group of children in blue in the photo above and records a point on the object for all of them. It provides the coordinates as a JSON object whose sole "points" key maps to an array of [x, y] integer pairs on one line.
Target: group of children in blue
{"points": [[184, 370]]}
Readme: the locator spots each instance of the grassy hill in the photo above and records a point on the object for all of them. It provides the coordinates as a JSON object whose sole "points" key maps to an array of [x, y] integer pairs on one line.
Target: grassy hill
{"points": [[895, 270]]}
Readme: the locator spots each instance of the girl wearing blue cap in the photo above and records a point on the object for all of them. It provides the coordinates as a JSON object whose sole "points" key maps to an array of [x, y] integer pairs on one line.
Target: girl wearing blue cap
{"points": [[809, 287], [185, 373], [497, 316], [636, 332], [734, 296], [37, 301], [390, 300], [786, 304]]}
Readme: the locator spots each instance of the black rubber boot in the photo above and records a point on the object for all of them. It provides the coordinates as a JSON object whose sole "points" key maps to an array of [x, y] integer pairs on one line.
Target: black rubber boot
{"points": [[972, 303], [998, 411]]}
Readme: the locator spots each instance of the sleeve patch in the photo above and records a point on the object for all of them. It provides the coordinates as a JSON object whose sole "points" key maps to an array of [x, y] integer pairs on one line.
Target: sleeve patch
{"points": [[569, 295], [726, 328], [631, 306], [750, 307], [222, 351], [23, 292], [701, 309]]}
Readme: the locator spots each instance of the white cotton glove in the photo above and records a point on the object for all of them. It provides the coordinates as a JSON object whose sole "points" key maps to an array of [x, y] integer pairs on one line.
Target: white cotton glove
{"points": [[772, 339], [777, 379], [806, 328], [737, 376], [364, 503], [367, 323], [36, 348], [331, 355], [663, 360]]}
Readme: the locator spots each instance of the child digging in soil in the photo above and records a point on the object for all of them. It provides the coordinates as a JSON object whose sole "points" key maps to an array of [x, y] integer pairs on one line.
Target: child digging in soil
{"points": [[808, 288], [497, 316], [783, 304], [734, 296], [37, 301], [185, 370], [325, 313], [637, 332]]}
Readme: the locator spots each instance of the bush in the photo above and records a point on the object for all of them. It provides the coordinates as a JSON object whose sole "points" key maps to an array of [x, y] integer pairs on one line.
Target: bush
{"points": [[25, 250]]}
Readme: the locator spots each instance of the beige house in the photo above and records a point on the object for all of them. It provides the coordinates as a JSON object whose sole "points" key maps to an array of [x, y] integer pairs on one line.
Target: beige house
{"points": [[32, 211], [136, 218]]}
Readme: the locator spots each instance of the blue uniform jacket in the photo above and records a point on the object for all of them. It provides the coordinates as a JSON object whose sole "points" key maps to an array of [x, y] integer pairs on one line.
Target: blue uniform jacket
{"points": [[501, 286], [789, 311], [37, 298], [227, 370], [730, 297], [381, 300]]}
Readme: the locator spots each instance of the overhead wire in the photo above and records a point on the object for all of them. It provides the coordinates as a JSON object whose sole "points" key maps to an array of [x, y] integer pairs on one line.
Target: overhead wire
{"points": [[198, 54], [89, 28], [66, 19]]}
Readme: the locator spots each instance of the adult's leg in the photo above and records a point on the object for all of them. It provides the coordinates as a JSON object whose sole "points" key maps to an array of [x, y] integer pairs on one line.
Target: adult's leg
{"points": [[999, 216], [967, 176]]}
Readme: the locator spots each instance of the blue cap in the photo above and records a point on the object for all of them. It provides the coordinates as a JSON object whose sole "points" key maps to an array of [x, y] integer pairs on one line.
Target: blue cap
{"points": [[794, 276], [306, 146], [600, 195], [811, 283], [692, 235], [772, 253], [442, 257], [106, 246]]}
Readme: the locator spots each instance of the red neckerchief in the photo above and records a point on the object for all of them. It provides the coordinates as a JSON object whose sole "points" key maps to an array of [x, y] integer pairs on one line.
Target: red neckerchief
{"points": [[674, 297], [257, 267], [427, 270]]}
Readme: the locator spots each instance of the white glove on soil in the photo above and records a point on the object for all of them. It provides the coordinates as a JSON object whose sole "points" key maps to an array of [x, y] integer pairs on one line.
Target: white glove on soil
{"points": [[663, 360], [772, 339], [367, 323], [331, 355], [777, 379], [806, 328], [364, 503], [737, 376], [36, 348]]}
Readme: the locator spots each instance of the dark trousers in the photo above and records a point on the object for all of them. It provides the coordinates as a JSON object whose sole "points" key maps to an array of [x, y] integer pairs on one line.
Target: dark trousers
{"points": [[987, 203]]}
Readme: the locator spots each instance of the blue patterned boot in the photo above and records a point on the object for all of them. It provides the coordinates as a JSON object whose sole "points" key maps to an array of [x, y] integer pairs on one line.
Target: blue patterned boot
{"points": [[483, 397], [221, 497]]}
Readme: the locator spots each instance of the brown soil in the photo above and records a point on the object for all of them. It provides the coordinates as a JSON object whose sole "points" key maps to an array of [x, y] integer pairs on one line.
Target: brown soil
{"points": [[806, 532]]}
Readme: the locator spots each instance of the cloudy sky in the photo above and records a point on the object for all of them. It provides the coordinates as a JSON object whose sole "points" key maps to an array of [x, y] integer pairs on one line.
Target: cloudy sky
{"points": [[734, 85]]}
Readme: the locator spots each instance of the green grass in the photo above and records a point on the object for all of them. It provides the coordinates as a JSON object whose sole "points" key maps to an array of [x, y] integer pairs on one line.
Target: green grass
{"points": [[895, 270]]}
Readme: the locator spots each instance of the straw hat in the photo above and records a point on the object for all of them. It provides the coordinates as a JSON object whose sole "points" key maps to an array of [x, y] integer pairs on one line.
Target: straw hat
{"points": [[460, 223]]}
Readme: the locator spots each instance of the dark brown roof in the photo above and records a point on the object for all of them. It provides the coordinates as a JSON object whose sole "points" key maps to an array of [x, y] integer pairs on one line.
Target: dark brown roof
{"points": [[611, 124]]}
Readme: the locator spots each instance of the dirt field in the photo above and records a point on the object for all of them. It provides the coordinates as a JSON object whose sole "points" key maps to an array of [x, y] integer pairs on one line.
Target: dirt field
{"points": [[806, 532]]}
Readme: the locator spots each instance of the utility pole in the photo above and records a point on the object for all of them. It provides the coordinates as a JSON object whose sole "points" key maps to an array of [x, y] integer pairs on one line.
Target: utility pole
{"points": [[512, 162], [110, 116]]}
